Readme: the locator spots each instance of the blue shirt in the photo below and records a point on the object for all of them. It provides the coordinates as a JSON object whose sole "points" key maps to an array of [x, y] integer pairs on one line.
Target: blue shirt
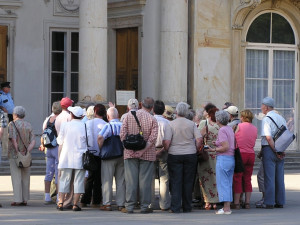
{"points": [[106, 130], [7, 102]]}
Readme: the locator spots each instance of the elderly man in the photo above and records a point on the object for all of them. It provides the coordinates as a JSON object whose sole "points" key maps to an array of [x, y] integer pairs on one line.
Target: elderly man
{"points": [[273, 162], [233, 113], [3, 124], [112, 167], [132, 105], [6, 101], [139, 164], [162, 146]]}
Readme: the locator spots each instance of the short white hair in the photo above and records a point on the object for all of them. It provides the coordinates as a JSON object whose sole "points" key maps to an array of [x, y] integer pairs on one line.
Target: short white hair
{"points": [[113, 113], [90, 112], [19, 111], [182, 109]]}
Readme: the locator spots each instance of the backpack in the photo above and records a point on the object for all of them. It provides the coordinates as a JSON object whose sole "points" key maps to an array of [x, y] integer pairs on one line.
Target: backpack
{"points": [[49, 135]]}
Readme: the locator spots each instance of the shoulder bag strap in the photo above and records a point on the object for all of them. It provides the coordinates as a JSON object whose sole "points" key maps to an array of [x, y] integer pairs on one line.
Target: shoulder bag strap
{"points": [[206, 128], [136, 119], [87, 142], [20, 136], [273, 121], [112, 131]]}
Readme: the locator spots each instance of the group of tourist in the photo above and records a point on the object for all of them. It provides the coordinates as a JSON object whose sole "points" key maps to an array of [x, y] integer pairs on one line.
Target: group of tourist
{"points": [[174, 138]]}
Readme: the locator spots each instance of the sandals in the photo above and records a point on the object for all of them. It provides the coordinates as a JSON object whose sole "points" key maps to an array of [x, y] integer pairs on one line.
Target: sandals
{"points": [[76, 208], [207, 206], [246, 206], [235, 206], [60, 206]]}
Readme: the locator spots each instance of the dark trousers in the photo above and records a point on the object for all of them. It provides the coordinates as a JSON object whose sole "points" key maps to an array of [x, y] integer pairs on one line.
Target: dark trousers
{"points": [[93, 186], [182, 170]]}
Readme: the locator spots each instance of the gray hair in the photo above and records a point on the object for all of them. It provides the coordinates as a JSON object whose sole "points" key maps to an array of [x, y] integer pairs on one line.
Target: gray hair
{"points": [[190, 115], [222, 117], [19, 111], [148, 103], [182, 109], [90, 112], [113, 113], [56, 108]]}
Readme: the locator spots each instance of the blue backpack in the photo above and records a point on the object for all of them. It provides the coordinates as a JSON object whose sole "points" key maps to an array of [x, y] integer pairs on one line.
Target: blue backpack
{"points": [[49, 135]]}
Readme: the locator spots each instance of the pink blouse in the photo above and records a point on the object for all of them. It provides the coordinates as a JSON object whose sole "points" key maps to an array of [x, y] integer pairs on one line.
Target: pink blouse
{"points": [[246, 137], [226, 135]]}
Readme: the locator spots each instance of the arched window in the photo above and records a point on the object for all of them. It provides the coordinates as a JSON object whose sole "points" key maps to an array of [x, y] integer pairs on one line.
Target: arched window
{"points": [[271, 58]]}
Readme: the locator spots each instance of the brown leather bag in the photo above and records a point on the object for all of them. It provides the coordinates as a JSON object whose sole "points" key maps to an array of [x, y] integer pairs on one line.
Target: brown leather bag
{"points": [[202, 154]]}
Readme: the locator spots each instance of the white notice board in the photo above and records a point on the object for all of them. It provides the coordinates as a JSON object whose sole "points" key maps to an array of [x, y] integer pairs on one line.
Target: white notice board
{"points": [[122, 97]]}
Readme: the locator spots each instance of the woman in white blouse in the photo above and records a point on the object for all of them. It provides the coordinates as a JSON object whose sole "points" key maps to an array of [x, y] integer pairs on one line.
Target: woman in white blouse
{"points": [[72, 137]]}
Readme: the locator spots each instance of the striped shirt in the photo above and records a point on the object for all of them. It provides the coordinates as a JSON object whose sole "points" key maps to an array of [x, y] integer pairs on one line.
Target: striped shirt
{"points": [[106, 130]]}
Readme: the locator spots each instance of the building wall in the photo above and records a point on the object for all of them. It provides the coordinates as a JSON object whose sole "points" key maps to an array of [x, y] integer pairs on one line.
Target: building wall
{"points": [[211, 52]]}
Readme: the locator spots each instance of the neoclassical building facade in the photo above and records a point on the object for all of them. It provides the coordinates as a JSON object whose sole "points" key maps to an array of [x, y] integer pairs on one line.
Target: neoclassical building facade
{"points": [[196, 51]]}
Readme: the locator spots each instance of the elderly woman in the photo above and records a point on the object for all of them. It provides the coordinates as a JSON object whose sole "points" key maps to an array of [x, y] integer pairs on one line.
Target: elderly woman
{"points": [[225, 160], [72, 138], [92, 189], [207, 169], [182, 159], [245, 136], [21, 138], [51, 153]]}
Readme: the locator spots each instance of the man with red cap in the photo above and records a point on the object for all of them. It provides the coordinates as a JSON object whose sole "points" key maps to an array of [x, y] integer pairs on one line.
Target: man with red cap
{"points": [[63, 117]]}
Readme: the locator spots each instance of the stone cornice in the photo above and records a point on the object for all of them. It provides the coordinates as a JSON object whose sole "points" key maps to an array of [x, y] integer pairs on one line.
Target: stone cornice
{"points": [[11, 4], [120, 8]]}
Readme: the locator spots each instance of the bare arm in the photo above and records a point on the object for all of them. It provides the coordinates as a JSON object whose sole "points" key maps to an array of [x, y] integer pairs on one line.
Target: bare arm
{"points": [[223, 148], [271, 142], [100, 141], [1, 132]]}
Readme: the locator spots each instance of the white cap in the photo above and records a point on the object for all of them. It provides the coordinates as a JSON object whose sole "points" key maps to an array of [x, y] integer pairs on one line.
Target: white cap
{"points": [[233, 110], [77, 111]]}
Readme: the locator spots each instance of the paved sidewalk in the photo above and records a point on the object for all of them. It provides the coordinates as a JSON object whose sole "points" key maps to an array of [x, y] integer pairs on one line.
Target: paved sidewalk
{"points": [[38, 213]]}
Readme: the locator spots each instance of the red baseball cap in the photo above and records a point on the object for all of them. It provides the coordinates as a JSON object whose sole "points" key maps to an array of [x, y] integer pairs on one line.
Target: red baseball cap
{"points": [[66, 102]]}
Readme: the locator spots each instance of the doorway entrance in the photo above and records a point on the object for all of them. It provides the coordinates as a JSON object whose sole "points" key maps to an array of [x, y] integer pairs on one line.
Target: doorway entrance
{"points": [[126, 62]]}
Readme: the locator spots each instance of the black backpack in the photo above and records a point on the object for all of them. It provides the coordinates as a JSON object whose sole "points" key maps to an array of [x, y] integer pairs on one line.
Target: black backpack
{"points": [[49, 135]]}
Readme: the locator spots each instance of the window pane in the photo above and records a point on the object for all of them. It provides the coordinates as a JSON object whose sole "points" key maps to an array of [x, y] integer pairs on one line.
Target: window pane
{"points": [[255, 91], [284, 64], [58, 41], [75, 41], [288, 115], [57, 82], [58, 62], [259, 31], [74, 97], [283, 93], [257, 63], [74, 62], [282, 31], [56, 97], [74, 82]]}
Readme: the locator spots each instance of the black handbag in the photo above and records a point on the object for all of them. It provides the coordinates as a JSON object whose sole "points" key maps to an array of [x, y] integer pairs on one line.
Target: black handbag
{"points": [[112, 147], [135, 142], [239, 165], [89, 161]]}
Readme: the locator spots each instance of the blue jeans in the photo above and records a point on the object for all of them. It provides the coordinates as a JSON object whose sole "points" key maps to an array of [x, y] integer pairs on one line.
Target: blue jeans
{"points": [[51, 164], [273, 178], [182, 171], [224, 176]]}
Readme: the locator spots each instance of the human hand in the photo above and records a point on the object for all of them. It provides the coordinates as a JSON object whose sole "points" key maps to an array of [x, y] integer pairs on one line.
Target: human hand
{"points": [[110, 104]]}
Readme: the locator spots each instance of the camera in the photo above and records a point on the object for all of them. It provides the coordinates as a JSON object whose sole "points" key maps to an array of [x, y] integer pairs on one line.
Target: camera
{"points": [[206, 147]]}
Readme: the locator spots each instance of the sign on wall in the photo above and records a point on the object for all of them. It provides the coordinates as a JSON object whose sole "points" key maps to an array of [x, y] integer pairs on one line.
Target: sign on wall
{"points": [[122, 97]]}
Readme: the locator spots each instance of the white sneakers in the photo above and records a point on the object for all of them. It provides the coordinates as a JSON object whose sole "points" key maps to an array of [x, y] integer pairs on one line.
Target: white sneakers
{"points": [[222, 212]]}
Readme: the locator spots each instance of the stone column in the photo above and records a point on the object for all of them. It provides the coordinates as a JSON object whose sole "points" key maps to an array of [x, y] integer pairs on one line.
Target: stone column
{"points": [[174, 51], [93, 50]]}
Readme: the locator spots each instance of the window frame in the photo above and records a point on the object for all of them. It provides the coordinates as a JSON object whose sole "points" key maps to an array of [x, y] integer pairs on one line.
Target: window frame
{"points": [[67, 60], [271, 47]]}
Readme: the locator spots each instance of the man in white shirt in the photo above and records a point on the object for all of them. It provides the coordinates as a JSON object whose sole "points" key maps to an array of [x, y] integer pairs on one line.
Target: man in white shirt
{"points": [[162, 144], [273, 162]]}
